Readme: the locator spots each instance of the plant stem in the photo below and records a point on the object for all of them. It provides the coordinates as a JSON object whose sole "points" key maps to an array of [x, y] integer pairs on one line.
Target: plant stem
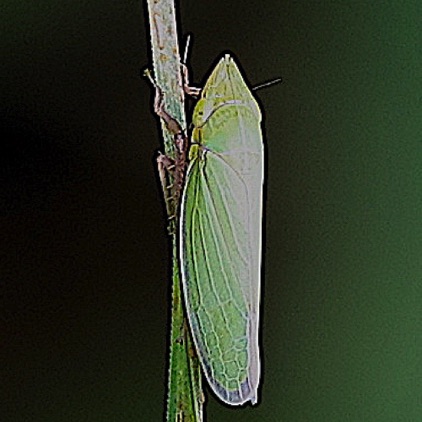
{"points": [[185, 397]]}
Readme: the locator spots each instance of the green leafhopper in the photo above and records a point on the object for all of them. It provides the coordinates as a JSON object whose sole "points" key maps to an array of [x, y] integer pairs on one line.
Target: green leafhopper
{"points": [[220, 233]]}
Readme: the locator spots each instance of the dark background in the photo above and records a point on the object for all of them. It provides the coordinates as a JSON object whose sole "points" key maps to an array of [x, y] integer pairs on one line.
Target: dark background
{"points": [[84, 256]]}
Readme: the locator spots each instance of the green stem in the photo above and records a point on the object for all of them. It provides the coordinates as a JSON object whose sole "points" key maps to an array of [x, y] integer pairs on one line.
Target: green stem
{"points": [[185, 397]]}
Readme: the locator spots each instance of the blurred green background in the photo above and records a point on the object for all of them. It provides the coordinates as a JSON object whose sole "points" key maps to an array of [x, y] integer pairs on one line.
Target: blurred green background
{"points": [[84, 270]]}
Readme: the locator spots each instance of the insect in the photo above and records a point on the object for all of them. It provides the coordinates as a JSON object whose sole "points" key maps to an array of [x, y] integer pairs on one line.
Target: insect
{"points": [[220, 231]]}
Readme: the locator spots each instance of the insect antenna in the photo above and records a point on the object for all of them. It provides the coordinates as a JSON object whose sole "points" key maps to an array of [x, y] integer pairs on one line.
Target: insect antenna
{"points": [[265, 84], [186, 50]]}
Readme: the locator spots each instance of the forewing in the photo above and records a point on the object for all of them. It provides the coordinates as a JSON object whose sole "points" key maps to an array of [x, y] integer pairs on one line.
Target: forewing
{"points": [[220, 254]]}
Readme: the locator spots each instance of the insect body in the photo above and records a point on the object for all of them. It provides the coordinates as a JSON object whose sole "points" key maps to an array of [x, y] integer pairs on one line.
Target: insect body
{"points": [[220, 233]]}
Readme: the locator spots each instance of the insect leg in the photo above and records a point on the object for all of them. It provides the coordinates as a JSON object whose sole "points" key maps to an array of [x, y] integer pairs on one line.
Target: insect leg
{"points": [[172, 124], [166, 166], [176, 167], [169, 168], [189, 90], [180, 140]]}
